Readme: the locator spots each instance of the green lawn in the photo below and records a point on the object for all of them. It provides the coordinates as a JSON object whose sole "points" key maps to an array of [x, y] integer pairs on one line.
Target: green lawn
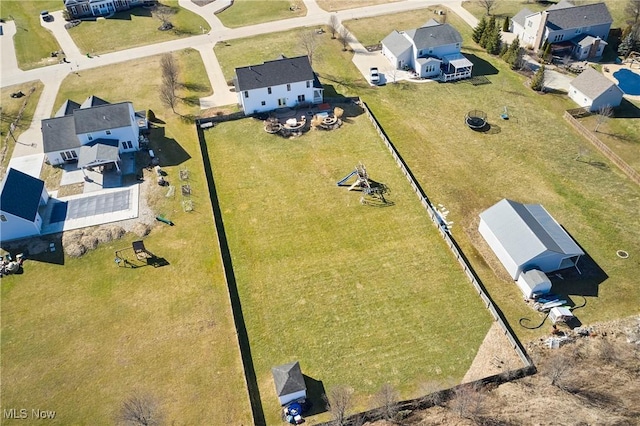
{"points": [[335, 5], [360, 295], [335, 68], [33, 43], [251, 12], [135, 27], [511, 8], [9, 112], [79, 338]]}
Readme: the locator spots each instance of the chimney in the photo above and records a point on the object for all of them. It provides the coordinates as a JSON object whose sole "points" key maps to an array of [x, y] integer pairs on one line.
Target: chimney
{"points": [[544, 18]]}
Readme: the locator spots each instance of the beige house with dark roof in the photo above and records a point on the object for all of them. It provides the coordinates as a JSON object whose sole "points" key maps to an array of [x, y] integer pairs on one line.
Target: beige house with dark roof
{"points": [[593, 90]]}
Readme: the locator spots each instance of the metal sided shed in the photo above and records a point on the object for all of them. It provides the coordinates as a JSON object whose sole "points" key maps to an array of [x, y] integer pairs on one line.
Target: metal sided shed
{"points": [[289, 382], [526, 236], [533, 282]]}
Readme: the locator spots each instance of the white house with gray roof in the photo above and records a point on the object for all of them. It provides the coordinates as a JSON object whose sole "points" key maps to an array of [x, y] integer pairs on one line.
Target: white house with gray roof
{"points": [[285, 82], [593, 90], [579, 31], [86, 8], [21, 197], [93, 133], [526, 237], [431, 51]]}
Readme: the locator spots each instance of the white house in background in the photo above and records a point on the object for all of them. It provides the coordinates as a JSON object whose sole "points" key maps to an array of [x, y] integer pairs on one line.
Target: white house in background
{"points": [[579, 31], [93, 133], [289, 382], [21, 196], [525, 237], [285, 82], [593, 90], [432, 51], [84, 8], [533, 282]]}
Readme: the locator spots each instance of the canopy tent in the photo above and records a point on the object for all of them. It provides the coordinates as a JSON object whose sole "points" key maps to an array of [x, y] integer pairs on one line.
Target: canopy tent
{"points": [[98, 153]]}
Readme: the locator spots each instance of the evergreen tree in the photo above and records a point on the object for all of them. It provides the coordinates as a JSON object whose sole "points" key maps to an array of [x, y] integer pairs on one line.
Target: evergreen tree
{"points": [[479, 30], [537, 82], [546, 53], [503, 51], [495, 42], [505, 24]]}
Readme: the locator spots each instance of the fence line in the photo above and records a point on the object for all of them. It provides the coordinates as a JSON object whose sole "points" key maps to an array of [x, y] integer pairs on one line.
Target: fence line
{"points": [[453, 246], [604, 149]]}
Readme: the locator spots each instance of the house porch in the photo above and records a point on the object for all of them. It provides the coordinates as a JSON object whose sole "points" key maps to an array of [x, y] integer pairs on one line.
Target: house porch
{"points": [[455, 67]]}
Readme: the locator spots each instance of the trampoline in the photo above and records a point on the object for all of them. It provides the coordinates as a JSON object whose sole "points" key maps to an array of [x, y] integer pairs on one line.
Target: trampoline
{"points": [[476, 119]]}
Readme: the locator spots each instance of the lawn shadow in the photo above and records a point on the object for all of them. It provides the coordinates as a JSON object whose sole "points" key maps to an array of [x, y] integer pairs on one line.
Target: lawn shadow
{"points": [[126, 15], [168, 151], [196, 87], [46, 249], [480, 66], [626, 110], [315, 396]]}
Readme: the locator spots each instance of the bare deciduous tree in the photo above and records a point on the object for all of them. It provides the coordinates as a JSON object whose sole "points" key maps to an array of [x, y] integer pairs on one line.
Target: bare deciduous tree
{"points": [[334, 24], [387, 401], [558, 368], [468, 401], [169, 70], [164, 13], [488, 5], [604, 113], [632, 9], [140, 410], [309, 42], [345, 37], [339, 403], [168, 96]]}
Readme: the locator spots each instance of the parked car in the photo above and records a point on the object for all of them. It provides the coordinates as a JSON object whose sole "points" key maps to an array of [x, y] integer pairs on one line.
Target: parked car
{"points": [[45, 16], [374, 75]]}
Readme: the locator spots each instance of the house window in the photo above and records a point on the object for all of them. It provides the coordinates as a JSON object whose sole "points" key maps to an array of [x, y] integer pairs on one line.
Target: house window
{"points": [[558, 37], [3, 218], [269, 90], [457, 45], [308, 84], [127, 145], [90, 137], [246, 94], [263, 103], [108, 132], [282, 102], [74, 12], [288, 87], [529, 24], [578, 30], [300, 98]]}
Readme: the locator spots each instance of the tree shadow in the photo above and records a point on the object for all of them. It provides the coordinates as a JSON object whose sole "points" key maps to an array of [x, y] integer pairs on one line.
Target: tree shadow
{"points": [[480, 66], [191, 100], [46, 249], [196, 87], [316, 402], [168, 150]]}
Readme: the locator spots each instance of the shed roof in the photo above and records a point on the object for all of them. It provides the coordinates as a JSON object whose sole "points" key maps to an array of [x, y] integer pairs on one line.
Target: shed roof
{"points": [[288, 378], [21, 194], [592, 84], [587, 15], [274, 73], [434, 36], [102, 117], [59, 133], [397, 43], [527, 230]]}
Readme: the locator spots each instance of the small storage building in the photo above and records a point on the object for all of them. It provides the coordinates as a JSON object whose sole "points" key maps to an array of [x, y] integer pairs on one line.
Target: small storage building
{"points": [[21, 196], [289, 382], [592, 90], [533, 282], [526, 236]]}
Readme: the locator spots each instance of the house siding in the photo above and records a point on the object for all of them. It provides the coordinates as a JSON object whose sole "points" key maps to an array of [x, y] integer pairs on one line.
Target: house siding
{"points": [[285, 399], [253, 102], [612, 97], [16, 227]]}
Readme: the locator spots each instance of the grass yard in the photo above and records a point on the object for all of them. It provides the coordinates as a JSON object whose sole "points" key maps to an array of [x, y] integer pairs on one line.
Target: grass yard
{"points": [[335, 5], [135, 27], [250, 12], [9, 113], [360, 295], [33, 43], [335, 68], [511, 8], [80, 337]]}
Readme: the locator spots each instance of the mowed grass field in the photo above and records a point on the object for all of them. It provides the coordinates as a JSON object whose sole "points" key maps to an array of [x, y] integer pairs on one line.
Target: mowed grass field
{"points": [[80, 337], [251, 12], [335, 5], [33, 43], [360, 295], [135, 27]]}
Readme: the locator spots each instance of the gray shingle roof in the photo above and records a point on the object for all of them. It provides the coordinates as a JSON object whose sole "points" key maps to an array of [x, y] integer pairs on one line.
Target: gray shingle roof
{"points": [[93, 101], [274, 73], [288, 378], [592, 83], [59, 134], [102, 117], [520, 16], [562, 4], [434, 36], [21, 194], [527, 230], [396, 43], [579, 16], [67, 108], [98, 152]]}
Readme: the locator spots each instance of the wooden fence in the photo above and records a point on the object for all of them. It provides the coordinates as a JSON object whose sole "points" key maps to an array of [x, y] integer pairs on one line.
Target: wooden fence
{"points": [[604, 149]]}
